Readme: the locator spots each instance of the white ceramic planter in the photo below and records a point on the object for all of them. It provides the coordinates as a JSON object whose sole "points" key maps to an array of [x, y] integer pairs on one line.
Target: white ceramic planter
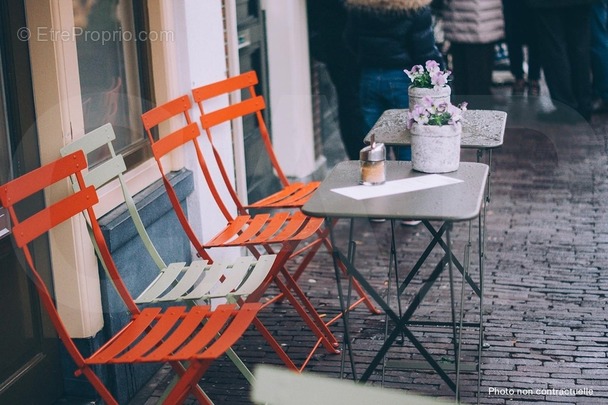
{"points": [[416, 94], [436, 149]]}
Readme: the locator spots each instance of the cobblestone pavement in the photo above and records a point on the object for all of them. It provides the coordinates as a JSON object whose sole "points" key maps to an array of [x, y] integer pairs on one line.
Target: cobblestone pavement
{"points": [[545, 290]]}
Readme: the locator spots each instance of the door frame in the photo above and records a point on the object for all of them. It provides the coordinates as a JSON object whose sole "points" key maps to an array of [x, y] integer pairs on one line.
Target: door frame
{"points": [[41, 365]]}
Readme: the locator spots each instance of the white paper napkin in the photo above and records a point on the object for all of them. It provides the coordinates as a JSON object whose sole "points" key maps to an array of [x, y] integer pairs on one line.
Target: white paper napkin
{"points": [[362, 192]]}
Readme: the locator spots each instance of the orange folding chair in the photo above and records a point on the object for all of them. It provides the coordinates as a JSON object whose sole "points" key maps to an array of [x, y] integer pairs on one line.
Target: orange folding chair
{"points": [[258, 233], [292, 195], [175, 334]]}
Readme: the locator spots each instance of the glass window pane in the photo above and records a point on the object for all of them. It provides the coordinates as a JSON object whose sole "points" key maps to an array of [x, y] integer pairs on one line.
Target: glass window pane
{"points": [[109, 69]]}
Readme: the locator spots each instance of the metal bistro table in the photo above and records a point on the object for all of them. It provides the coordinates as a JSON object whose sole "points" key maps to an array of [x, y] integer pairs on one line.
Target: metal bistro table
{"points": [[482, 130], [461, 200]]}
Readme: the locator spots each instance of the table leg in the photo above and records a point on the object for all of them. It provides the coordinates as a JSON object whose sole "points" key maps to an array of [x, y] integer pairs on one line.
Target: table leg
{"points": [[336, 257], [482, 236], [392, 266], [456, 262]]}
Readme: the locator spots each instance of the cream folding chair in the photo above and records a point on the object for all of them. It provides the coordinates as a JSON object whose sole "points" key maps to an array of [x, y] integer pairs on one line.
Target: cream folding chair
{"points": [[202, 280]]}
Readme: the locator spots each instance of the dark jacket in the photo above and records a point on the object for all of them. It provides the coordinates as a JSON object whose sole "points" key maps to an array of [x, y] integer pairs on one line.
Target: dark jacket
{"points": [[391, 34], [557, 3]]}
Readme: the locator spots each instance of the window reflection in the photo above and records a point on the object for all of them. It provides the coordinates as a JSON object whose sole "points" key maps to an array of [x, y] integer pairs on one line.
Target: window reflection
{"points": [[109, 69]]}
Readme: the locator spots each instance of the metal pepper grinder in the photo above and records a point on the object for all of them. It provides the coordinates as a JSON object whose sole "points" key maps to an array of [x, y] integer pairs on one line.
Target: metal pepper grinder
{"points": [[372, 162]]}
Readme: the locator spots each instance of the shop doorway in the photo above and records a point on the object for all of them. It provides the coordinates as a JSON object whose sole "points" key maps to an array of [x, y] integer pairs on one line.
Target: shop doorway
{"points": [[30, 371]]}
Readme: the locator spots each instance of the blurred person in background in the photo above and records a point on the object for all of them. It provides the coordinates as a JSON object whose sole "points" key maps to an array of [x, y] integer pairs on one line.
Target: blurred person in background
{"points": [[326, 22], [388, 36], [564, 36], [472, 27], [519, 32], [599, 55]]}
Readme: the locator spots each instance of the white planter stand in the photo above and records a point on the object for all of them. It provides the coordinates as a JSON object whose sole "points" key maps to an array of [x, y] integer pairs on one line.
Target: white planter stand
{"points": [[436, 149]]}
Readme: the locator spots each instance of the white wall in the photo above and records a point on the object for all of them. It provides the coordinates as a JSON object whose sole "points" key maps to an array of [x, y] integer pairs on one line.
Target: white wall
{"points": [[202, 57], [290, 88]]}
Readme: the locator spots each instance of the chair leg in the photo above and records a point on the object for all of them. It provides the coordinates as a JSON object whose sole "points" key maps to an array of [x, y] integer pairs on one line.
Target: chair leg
{"points": [[323, 238], [188, 382], [99, 386], [316, 323], [197, 391], [311, 318], [274, 344]]}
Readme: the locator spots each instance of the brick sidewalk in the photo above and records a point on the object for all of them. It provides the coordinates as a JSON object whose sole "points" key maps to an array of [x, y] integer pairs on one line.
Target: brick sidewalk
{"points": [[545, 293]]}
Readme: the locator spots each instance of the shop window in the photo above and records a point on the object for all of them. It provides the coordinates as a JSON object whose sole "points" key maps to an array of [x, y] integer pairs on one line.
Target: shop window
{"points": [[113, 43]]}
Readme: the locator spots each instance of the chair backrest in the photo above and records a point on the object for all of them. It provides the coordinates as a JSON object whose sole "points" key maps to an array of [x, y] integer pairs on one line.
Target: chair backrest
{"points": [[185, 135], [15, 194], [254, 104], [101, 139]]}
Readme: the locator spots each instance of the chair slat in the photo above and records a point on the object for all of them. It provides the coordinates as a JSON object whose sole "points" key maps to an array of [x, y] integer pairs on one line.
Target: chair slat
{"points": [[236, 329], [300, 196], [233, 111], [234, 276], [273, 225], [188, 325], [229, 85], [93, 140], [296, 229], [161, 283], [229, 232], [211, 277], [214, 325], [105, 172], [280, 195], [42, 221], [190, 276], [257, 275], [162, 113], [254, 226], [175, 140], [125, 337], [154, 336], [288, 232], [38, 179]]}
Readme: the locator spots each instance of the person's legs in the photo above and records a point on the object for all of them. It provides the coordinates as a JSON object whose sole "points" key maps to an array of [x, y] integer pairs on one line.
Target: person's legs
{"points": [[398, 97], [578, 39], [513, 38], [345, 77], [554, 57], [599, 49], [459, 66], [473, 66], [530, 38], [480, 69], [371, 97]]}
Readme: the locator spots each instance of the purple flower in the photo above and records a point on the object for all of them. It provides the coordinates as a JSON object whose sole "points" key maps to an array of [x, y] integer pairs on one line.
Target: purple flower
{"points": [[428, 76], [416, 71], [439, 79], [432, 66], [419, 115], [442, 107], [429, 112]]}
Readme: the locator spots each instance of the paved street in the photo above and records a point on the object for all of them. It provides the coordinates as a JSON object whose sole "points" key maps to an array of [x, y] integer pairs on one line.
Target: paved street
{"points": [[545, 288]]}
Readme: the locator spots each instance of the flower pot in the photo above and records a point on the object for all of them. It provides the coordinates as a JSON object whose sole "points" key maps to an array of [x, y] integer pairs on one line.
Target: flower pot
{"points": [[416, 94], [436, 149]]}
